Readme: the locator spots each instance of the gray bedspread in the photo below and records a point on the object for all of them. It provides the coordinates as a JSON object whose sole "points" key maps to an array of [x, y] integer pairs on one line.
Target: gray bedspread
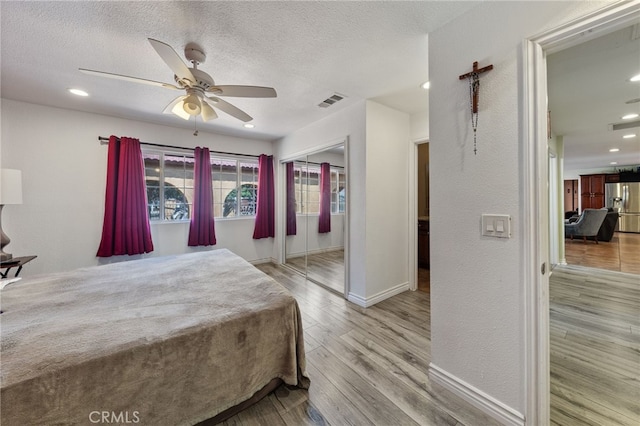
{"points": [[160, 341]]}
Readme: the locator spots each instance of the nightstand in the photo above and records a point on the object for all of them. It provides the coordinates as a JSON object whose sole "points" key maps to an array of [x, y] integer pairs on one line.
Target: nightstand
{"points": [[16, 262]]}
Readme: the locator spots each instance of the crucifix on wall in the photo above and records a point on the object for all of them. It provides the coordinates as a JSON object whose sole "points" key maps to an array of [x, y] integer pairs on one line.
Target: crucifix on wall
{"points": [[474, 94]]}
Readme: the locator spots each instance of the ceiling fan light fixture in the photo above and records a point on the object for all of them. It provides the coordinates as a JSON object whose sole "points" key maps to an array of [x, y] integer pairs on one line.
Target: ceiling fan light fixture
{"points": [[635, 78], [78, 92], [196, 83], [207, 112], [179, 110], [191, 105]]}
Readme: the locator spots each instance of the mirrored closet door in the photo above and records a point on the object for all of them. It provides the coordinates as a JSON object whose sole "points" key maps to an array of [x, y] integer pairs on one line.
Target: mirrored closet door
{"points": [[316, 191]]}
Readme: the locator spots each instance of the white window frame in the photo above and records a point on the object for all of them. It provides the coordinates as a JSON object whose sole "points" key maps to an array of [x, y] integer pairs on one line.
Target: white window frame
{"points": [[297, 170], [214, 156]]}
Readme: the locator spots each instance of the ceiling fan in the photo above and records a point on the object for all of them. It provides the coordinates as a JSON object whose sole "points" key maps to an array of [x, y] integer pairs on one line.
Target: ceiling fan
{"points": [[197, 84]]}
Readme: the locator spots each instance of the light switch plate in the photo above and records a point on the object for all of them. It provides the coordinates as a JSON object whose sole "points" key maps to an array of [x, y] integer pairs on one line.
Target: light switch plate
{"points": [[496, 225]]}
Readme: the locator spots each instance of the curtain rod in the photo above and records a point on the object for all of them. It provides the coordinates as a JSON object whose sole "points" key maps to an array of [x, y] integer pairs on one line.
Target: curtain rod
{"points": [[317, 164], [105, 141]]}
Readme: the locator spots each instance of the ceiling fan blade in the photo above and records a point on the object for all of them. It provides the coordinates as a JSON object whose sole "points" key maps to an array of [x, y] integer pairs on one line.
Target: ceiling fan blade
{"points": [[207, 112], [228, 108], [127, 78], [171, 58], [176, 107], [244, 91]]}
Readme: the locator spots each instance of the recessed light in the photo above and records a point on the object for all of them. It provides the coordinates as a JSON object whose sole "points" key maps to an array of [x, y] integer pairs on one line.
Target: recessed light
{"points": [[629, 136], [78, 92], [614, 150], [613, 163], [249, 126], [426, 85], [629, 116], [635, 78]]}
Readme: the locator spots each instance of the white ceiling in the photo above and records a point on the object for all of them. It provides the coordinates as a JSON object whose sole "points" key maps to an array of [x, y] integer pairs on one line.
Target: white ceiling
{"points": [[305, 50], [589, 89]]}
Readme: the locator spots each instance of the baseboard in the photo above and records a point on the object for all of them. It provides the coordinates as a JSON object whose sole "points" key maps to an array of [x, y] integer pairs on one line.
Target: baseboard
{"points": [[315, 251], [377, 298], [263, 260], [489, 405]]}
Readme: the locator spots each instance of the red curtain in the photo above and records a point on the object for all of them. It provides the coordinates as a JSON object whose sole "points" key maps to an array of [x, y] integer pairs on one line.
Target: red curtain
{"points": [[125, 229], [265, 214], [202, 230], [291, 200], [324, 220]]}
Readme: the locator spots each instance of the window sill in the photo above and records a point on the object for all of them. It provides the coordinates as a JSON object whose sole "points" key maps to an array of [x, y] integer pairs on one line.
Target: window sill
{"points": [[217, 219]]}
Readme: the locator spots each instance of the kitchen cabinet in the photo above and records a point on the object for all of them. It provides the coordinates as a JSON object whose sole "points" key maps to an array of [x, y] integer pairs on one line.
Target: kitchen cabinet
{"points": [[592, 191]]}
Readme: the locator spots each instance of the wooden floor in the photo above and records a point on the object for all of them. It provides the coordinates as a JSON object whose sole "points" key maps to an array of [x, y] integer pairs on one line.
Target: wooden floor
{"points": [[326, 268], [594, 347], [367, 366], [424, 280], [622, 253]]}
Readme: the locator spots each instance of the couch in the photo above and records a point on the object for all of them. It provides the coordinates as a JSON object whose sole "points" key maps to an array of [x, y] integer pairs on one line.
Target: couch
{"points": [[587, 225]]}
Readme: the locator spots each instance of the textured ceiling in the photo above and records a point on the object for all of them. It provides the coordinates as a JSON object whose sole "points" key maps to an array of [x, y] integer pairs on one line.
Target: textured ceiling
{"points": [[305, 50], [589, 89]]}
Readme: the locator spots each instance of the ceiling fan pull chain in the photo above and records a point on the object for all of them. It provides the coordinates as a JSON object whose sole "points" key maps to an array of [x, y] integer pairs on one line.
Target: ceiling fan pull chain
{"points": [[195, 125]]}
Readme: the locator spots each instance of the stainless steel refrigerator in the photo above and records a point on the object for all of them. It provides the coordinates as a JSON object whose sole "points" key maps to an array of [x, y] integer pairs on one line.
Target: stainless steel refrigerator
{"points": [[625, 199]]}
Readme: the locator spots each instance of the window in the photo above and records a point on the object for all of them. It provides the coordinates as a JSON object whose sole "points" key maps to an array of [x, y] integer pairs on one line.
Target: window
{"points": [[338, 190], [231, 177], [307, 187], [170, 182]]}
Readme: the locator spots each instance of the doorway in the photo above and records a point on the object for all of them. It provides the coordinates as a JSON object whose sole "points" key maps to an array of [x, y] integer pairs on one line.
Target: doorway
{"points": [[422, 203], [535, 164]]}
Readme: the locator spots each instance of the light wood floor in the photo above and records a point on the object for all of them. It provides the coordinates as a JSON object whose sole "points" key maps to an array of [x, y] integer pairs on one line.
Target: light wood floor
{"points": [[325, 268], [622, 253], [594, 347], [367, 366], [424, 280]]}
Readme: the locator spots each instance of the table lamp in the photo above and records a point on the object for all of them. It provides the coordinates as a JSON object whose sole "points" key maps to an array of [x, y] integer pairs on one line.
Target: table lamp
{"points": [[10, 193]]}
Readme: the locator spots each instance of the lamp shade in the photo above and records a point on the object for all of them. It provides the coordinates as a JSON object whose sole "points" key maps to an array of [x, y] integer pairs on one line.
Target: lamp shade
{"points": [[191, 105], [10, 186]]}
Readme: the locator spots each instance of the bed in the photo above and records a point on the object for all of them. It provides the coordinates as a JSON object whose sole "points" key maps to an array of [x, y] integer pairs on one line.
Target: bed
{"points": [[172, 340]]}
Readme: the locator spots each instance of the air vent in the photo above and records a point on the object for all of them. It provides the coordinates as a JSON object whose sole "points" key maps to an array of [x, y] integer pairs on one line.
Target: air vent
{"points": [[331, 100], [622, 126]]}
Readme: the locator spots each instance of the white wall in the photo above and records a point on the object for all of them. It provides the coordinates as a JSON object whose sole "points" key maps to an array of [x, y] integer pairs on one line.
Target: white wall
{"points": [[477, 295], [64, 170], [377, 192], [332, 158], [387, 203], [348, 123], [313, 242], [420, 126]]}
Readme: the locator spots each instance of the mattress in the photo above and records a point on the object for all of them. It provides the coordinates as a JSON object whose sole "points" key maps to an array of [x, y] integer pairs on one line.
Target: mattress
{"points": [[163, 340]]}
